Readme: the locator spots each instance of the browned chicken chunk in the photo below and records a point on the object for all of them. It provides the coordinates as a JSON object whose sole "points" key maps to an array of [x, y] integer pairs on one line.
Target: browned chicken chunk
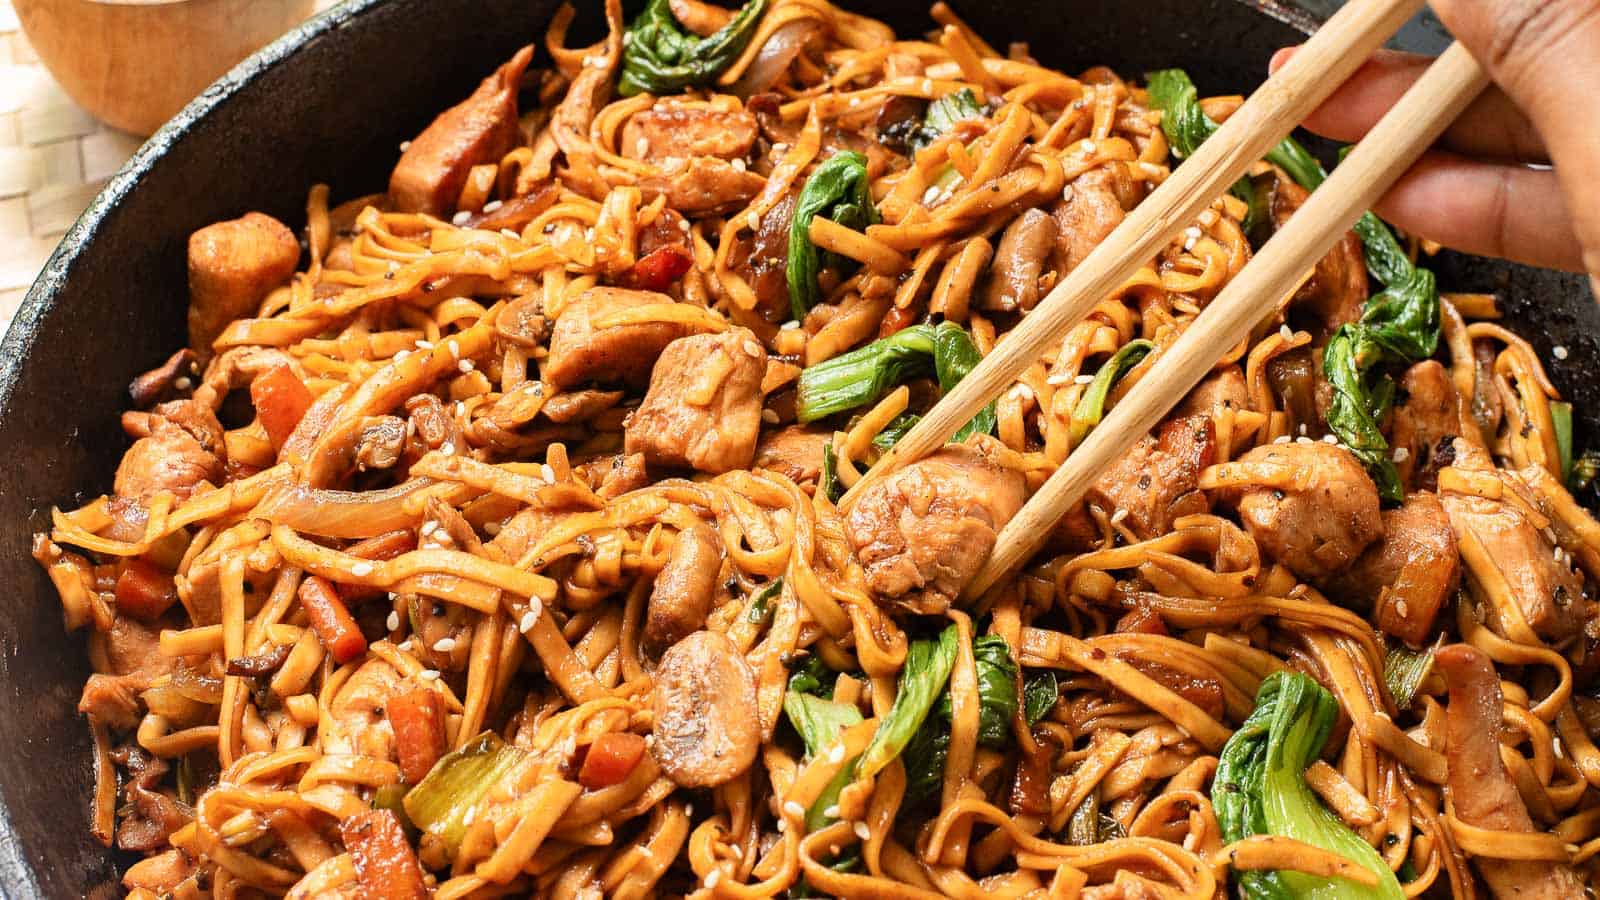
{"points": [[1427, 419], [232, 266], [703, 409], [169, 459], [479, 129], [580, 352], [1409, 575], [1337, 289], [1309, 506], [702, 185], [684, 589], [706, 731], [1224, 389], [1091, 208], [126, 660], [1480, 788], [1018, 261], [761, 259], [674, 130], [923, 532], [1501, 546], [1157, 481], [794, 452]]}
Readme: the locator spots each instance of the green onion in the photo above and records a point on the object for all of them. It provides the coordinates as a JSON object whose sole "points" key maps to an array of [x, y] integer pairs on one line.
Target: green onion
{"points": [[457, 783], [1561, 416], [1403, 672]]}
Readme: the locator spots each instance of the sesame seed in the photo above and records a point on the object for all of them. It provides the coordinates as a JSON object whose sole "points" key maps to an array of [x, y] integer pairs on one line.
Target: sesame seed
{"points": [[641, 147], [713, 878], [361, 569], [1302, 428], [529, 619], [461, 218], [861, 830], [927, 85], [783, 825], [400, 357], [832, 812], [1089, 147], [1330, 439], [424, 345], [688, 810], [752, 346], [507, 232], [444, 645], [461, 408], [448, 448], [769, 416], [429, 675], [1285, 332], [1083, 379], [1558, 351], [1401, 454], [753, 220], [183, 382], [548, 473], [535, 607], [1118, 517], [779, 147], [465, 365], [738, 165], [1281, 439], [406, 646], [930, 195], [1058, 379], [428, 527], [472, 813], [836, 755], [794, 809], [1302, 439], [404, 146], [1022, 392], [790, 325], [455, 348], [1400, 607], [491, 528], [492, 205]]}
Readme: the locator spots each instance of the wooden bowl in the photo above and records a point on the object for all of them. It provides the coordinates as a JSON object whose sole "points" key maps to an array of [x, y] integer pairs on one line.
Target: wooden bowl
{"points": [[134, 63]]}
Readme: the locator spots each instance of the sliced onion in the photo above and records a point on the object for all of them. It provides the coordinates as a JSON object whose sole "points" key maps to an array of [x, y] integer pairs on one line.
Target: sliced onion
{"points": [[340, 514], [775, 56]]}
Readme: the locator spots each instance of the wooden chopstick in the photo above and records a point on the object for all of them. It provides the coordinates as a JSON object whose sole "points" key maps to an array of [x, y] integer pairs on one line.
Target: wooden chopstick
{"points": [[1327, 58], [1418, 119]]}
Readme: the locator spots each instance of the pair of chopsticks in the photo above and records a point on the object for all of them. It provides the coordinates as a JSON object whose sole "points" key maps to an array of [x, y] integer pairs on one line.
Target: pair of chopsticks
{"points": [[1323, 63]]}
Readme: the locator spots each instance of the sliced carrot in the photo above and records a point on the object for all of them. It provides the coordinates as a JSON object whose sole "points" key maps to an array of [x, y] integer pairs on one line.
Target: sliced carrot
{"points": [[144, 590], [659, 268], [331, 620], [418, 720], [281, 400], [611, 758], [386, 867]]}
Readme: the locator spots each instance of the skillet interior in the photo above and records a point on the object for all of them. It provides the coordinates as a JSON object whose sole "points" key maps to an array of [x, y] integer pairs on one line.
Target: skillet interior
{"points": [[330, 102]]}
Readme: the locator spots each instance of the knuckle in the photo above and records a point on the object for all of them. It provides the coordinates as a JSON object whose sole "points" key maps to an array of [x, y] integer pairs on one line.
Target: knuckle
{"points": [[1521, 31]]}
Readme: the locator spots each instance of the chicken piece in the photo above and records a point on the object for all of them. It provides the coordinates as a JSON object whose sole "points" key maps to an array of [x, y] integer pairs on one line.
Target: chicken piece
{"points": [[702, 185], [126, 660], [1337, 290], [706, 732], [1090, 209], [1480, 788], [149, 816], [573, 117], [923, 532], [674, 130], [580, 352], [480, 129], [703, 409], [356, 722], [1511, 551], [1224, 389], [794, 452], [1310, 506], [232, 266], [1409, 575], [762, 259], [579, 406], [684, 589], [1018, 261], [626, 472], [170, 459], [1428, 417], [1158, 480]]}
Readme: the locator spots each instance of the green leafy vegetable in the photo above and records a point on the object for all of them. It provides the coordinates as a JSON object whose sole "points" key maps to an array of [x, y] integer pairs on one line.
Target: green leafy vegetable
{"points": [[818, 721], [861, 376], [813, 677], [1039, 695], [894, 431], [441, 802], [1092, 405], [1186, 127], [1403, 671], [1083, 828], [924, 760], [660, 57], [1561, 416], [1400, 324], [761, 604], [943, 114], [1260, 789], [997, 691], [1584, 470], [828, 482], [922, 678], [837, 191], [392, 797]]}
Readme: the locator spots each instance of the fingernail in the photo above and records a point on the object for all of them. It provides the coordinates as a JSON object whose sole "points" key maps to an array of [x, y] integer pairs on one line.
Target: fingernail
{"points": [[1281, 57]]}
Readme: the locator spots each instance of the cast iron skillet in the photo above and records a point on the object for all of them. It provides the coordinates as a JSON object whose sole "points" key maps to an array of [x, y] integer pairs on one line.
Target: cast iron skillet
{"points": [[330, 102]]}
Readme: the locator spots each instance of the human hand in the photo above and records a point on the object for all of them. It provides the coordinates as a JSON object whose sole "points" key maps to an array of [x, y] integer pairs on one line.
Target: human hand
{"points": [[1515, 176]]}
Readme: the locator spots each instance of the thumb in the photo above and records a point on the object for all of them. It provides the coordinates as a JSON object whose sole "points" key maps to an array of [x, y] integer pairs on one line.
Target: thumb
{"points": [[1545, 54]]}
